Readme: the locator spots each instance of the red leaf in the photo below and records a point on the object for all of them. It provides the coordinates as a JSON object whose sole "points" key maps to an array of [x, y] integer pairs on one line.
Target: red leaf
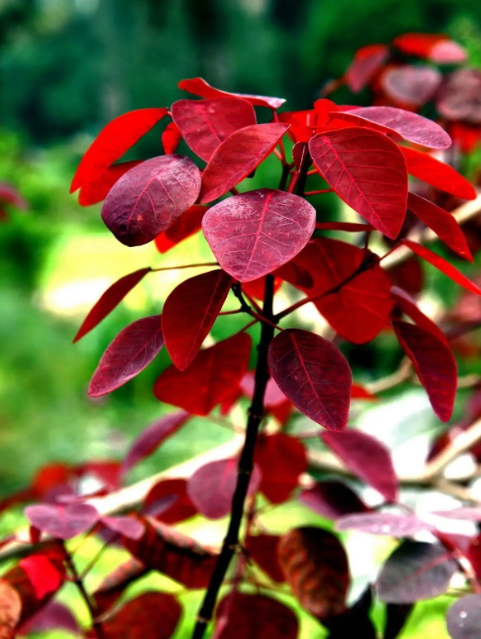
{"points": [[198, 86], [367, 171], [360, 392], [367, 458], [281, 460], [62, 522], [384, 524], [10, 610], [464, 617], [315, 565], [263, 550], [438, 174], [204, 124], [182, 508], [332, 499], [367, 62], [171, 138], [54, 615], [411, 86], [314, 375], [113, 141], [151, 197], [212, 486], [305, 124], [409, 126], [186, 225], [256, 288], [442, 265], [442, 223], [151, 615], [432, 46], [97, 189], [151, 438], [416, 570], [110, 299], [273, 395], [255, 233], [409, 307], [434, 364], [210, 378], [127, 526], [239, 616], [189, 313], [237, 156], [114, 584], [127, 355], [44, 576]]}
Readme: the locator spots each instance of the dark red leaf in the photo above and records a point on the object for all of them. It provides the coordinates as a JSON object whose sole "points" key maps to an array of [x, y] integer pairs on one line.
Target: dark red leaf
{"points": [[151, 615], [255, 233], [383, 524], [180, 509], [97, 189], [10, 610], [332, 499], [432, 46], [151, 438], [239, 616], [314, 375], [189, 313], [237, 156], [151, 197], [198, 86], [209, 379], [204, 124], [127, 355], [315, 565], [110, 299], [212, 486], [113, 141], [186, 225], [396, 617], [114, 584], [411, 86], [54, 615], [434, 364], [464, 617], [127, 526], [367, 171], [367, 458], [409, 307], [171, 138], [367, 62], [62, 522], [281, 460], [438, 174], [415, 570], [263, 550]]}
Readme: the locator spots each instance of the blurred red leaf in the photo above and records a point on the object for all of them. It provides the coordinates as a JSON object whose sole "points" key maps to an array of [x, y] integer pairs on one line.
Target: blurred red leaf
{"points": [[54, 615], [281, 460], [366, 63], [409, 307], [62, 522], [127, 526], [332, 499], [186, 225], [360, 392], [114, 584], [171, 137], [411, 86], [182, 508], [198, 86], [432, 46], [96, 190], [263, 550]]}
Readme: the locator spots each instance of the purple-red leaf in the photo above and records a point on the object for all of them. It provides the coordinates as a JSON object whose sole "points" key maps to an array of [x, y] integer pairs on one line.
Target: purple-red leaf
{"points": [[255, 233], [97, 189], [314, 375], [332, 499], [109, 300], [367, 62], [237, 156], [189, 313], [198, 86], [466, 513], [464, 617], [127, 526], [54, 615], [151, 438], [415, 570], [62, 522], [410, 85], [367, 458], [383, 524], [209, 379], [170, 512], [151, 197], [434, 364], [113, 141], [127, 355], [409, 307], [367, 170], [204, 124]]}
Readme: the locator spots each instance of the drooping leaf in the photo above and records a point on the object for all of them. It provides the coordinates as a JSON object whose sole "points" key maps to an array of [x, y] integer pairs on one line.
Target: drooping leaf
{"points": [[426, 168], [237, 156], [432, 46], [434, 363], [313, 374], [209, 379], [411, 86], [97, 189], [62, 521], [110, 299], [189, 313], [198, 86], [366, 63], [114, 584], [396, 617], [151, 438], [54, 616], [464, 617], [263, 550], [151, 197], [368, 458], [316, 568], [180, 509], [408, 306], [383, 524], [415, 570], [186, 225], [171, 138], [113, 141], [281, 460], [332, 499], [127, 355], [204, 124], [366, 170], [255, 233]]}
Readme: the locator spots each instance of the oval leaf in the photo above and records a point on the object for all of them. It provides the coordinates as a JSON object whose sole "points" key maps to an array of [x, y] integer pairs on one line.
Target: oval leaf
{"points": [[189, 313], [198, 86], [254, 233], [150, 197], [237, 156], [314, 375], [62, 522], [367, 171], [383, 524], [367, 62], [409, 85], [127, 355], [464, 617]]}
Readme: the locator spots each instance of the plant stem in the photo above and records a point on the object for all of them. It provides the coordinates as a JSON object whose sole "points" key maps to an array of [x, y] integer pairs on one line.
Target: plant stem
{"points": [[245, 466]]}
